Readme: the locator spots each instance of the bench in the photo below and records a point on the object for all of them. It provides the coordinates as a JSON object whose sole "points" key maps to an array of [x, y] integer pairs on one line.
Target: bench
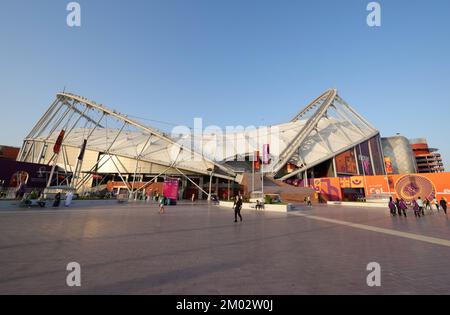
{"points": [[29, 203]]}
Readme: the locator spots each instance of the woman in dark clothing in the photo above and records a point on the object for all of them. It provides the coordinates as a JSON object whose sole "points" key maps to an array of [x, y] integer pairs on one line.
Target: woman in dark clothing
{"points": [[444, 204], [427, 205], [416, 208], [57, 200], [392, 207], [397, 205], [237, 208], [402, 207]]}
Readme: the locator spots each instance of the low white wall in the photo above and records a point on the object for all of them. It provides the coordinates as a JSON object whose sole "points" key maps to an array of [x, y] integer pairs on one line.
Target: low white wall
{"points": [[251, 206], [358, 204]]}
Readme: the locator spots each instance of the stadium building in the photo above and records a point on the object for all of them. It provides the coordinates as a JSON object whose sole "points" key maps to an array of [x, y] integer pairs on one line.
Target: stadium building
{"points": [[90, 147]]}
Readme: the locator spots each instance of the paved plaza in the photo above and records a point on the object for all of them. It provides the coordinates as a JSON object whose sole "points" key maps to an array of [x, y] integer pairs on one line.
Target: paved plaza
{"points": [[198, 249]]}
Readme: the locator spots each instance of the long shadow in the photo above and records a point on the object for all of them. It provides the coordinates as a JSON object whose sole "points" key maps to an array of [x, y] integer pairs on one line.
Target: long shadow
{"points": [[328, 227], [160, 279], [112, 237], [182, 251], [168, 232]]}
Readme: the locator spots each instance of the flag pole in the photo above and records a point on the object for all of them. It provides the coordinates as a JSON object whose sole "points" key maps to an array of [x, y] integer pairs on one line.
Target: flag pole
{"points": [[262, 179], [253, 173]]}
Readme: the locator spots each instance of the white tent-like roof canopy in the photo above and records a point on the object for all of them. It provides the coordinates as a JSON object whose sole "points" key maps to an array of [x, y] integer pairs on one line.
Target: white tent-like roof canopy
{"points": [[325, 128]]}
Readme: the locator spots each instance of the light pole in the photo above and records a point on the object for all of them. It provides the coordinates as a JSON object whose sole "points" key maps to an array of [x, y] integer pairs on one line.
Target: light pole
{"points": [[210, 170], [253, 172]]}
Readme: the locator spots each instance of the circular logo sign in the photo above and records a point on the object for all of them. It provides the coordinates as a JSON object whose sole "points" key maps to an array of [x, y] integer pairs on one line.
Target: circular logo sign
{"points": [[411, 187]]}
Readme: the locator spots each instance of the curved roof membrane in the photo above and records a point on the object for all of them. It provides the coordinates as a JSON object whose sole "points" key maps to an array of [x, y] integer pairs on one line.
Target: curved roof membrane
{"points": [[325, 128]]}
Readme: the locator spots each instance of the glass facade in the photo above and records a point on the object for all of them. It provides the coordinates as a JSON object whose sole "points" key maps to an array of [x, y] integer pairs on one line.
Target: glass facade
{"points": [[377, 156], [346, 163], [364, 160], [370, 157]]}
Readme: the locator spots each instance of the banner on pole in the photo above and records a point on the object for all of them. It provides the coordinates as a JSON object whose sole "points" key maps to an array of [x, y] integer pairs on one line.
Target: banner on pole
{"points": [[83, 150], [257, 161], [58, 143], [388, 164]]}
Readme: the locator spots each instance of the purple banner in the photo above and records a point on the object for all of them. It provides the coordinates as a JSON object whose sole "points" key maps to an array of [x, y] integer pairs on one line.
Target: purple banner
{"points": [[170, 189]]}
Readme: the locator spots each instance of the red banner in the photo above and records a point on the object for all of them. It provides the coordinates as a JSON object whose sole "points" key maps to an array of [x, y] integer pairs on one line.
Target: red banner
{"points": [[82, 150], [59, 142], [257, 161], [388, 164]]}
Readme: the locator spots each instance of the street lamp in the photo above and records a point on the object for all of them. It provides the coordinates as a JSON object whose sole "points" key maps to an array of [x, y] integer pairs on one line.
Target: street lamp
{"points": [[210, 170]]}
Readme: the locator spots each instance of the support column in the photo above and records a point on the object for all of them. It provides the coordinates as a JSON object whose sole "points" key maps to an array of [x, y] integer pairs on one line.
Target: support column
{"points": [[357, 161], [200, 193], [371, 158], [334, 167], [305, 179], [184, 184]]}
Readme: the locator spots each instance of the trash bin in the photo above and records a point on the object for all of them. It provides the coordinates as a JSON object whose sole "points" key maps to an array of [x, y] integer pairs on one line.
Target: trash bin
{"points": [[170, 202]]}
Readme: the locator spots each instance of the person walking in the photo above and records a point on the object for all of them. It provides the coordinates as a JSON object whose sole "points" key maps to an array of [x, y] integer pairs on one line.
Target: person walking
{"points": [[193, 198], [237, 208], [392, 207], [397, 206], [428, 205], [396, 202], [162, 201], [436, 204], [444, 204], [57, 200], [308, 201], [69, 197], [420, 204], [402, 207], [416, 208]]}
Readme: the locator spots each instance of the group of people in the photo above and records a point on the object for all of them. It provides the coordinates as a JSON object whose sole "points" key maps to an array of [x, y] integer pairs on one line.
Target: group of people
{"points": [[307, 201], [67, 201], [259, 205], [399, 206]]}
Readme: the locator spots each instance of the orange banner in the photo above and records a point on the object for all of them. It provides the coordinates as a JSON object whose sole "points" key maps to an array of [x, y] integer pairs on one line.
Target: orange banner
{"points": [[408, 187], [388, 165]]}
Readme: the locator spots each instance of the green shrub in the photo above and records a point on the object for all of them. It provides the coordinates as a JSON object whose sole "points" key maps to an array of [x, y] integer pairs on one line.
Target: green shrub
{"points": [[33, 195]]}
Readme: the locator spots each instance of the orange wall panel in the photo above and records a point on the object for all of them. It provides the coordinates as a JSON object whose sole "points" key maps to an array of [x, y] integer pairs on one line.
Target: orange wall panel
{"points": [[410, 186]]}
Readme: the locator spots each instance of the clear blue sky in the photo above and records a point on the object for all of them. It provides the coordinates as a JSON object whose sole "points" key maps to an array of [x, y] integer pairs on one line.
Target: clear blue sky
{"points": [[230, 61]]}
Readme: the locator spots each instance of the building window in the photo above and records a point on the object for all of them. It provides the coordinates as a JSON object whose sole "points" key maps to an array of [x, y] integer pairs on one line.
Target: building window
{"points": [[364, 161], [346, 163], [376, 155]]}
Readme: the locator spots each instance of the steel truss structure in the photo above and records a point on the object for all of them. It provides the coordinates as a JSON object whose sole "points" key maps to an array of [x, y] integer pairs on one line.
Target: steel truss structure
{"points": [[111, 143], [331, 127], [98, 140]]}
